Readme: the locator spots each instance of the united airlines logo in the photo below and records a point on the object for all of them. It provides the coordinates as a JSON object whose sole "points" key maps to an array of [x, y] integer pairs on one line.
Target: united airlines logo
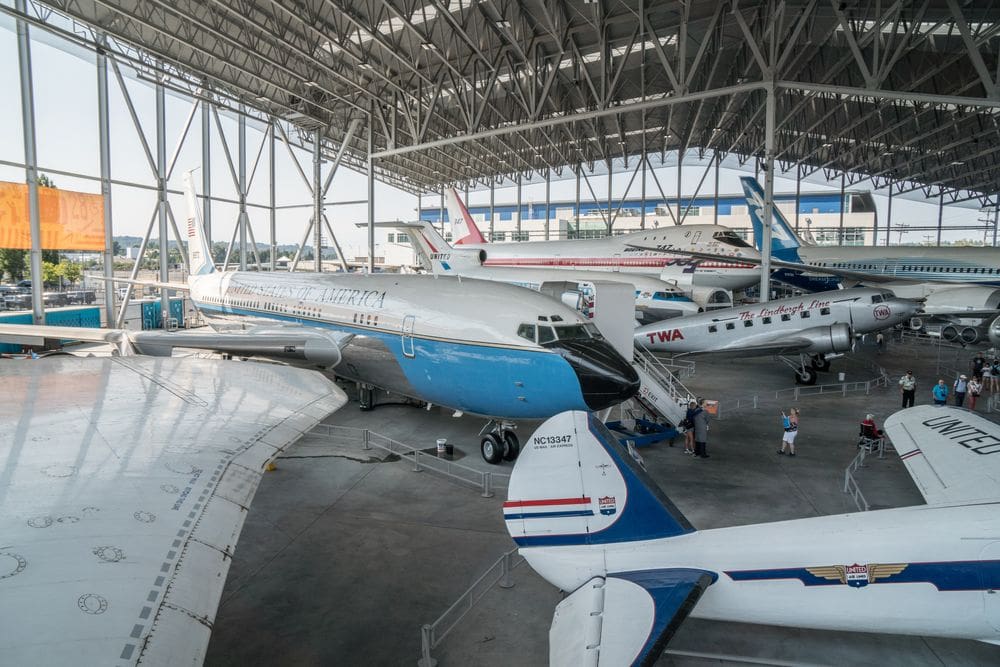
{"points": [[857, 576], [606, 505]]}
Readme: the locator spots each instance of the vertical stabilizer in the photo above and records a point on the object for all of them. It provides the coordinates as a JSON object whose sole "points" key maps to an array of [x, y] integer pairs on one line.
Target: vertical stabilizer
{"points": [[575, 484], [784, 241], [463, 227], [199, 249]]}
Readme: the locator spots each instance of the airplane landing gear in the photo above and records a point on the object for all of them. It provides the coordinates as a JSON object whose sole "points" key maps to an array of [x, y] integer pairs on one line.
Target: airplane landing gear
{"points": [[805, 373], [498, 442]]}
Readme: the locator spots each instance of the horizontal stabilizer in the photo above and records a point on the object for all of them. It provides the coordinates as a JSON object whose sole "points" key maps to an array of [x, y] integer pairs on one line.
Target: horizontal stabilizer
{"points": [[625, 619], [953, 455], [31, 334], [181, 287]]}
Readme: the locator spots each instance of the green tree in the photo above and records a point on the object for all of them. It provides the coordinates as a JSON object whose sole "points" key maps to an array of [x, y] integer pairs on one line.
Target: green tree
{"points": [[45, 181], [50, 273], [116, 249], [71, 272], [13, 262]]}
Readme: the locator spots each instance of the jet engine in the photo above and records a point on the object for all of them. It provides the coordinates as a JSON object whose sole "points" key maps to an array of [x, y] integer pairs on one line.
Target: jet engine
{"points": [[835, 338], [965, 335], [305, 347]]}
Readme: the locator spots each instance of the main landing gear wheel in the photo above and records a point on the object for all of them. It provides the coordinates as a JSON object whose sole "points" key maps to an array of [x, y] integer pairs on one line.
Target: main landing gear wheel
{"points": [[511, 446], [820, 364], [805, 376], [492, 450]]}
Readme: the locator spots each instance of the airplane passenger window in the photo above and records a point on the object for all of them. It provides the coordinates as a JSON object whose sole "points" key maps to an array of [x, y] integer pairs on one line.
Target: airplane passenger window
{"points": [[785, 317], [730, 326], [713, 329], [804, 314], [545, 334], [747, 323], [824, 311], [767, 320]]}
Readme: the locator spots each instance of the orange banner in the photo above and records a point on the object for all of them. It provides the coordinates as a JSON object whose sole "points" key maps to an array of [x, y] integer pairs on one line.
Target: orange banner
{"points": [[69, 220]]}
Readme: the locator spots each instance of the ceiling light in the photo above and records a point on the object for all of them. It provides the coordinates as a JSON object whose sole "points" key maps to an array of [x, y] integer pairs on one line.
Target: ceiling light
{"points": [[956, 163], [427, 45]]}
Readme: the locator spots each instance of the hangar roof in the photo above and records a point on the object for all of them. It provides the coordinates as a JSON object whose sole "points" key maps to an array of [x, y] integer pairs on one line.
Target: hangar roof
{"points": [[474, 90]]}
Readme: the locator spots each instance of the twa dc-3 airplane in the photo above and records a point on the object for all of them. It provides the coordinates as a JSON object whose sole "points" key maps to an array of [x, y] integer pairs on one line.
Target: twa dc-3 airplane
{"points": [[590, 521], [813, 324]]}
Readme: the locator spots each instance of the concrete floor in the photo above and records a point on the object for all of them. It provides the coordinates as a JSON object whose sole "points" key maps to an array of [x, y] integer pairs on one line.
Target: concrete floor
{"points": [[344, 555]]}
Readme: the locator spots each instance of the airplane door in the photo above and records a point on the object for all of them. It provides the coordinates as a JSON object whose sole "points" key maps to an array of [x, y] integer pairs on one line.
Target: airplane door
{"points": [[991, 596], [616, 262], [408, 350]]}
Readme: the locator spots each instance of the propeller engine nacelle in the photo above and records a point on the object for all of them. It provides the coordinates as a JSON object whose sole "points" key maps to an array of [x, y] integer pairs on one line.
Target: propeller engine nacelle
{"points": [[834, 338]]}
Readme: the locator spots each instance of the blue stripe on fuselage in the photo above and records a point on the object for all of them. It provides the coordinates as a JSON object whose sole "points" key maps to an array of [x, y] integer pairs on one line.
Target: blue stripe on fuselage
{"points": [[974, 575], [480, 379]]}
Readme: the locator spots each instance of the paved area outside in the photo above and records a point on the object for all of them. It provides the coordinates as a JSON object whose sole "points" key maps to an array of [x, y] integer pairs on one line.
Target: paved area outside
{"points": [[345, 553]]}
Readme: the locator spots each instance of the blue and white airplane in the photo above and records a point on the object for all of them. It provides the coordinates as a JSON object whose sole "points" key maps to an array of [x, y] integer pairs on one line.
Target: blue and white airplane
{"points": [[488, 349], [588, 519], [955, 283]]}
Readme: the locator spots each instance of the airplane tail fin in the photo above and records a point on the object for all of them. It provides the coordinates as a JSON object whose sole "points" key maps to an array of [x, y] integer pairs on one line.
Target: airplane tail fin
{"points": [[575, 484], [463, 227], [784, 241], [199, 249]]}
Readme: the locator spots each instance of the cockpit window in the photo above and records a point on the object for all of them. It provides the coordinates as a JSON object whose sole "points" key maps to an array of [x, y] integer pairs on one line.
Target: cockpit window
{"points": [[557, 318], [730, 238], [876, 298], [543, 318], [527, 331], [593, 330], [545, 335], [571, 331]]}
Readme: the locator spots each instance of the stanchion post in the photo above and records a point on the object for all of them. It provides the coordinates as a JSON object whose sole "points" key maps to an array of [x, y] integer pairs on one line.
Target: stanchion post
{"points": [[505, 568], [367, 435], [487, 485], [426, 638]]}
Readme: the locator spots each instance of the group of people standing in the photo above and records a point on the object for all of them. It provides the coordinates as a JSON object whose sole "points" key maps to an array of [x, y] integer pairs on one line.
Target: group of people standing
{"points": [[966, 390], [696, 429]]}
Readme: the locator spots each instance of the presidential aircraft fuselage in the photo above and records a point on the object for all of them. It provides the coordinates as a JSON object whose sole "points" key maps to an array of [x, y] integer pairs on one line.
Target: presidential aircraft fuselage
{"points": [[460, 343], [826, 319]]}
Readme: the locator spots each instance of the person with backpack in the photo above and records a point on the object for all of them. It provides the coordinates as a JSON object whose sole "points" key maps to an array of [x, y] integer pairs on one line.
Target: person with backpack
{"points": [[975, 389], [688, 425], [790, 424]]}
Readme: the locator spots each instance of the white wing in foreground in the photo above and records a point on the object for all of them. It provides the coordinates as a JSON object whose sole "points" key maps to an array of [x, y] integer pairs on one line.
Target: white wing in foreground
{"points": [[953, 455], [124, 484]]}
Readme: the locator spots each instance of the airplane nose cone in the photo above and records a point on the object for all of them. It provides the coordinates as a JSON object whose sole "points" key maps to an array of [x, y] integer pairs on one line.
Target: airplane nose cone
{"points": [[606, 378]]}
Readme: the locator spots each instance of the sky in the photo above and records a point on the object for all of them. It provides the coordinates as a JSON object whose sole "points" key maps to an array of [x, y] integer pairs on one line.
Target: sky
{"points": [[65, 94]]}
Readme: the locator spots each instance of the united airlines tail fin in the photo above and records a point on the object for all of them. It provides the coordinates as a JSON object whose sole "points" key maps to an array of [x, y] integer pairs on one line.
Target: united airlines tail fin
{"points": [[575, 484], [436, 254], [463, 227], [784, 241], [199, 249]]}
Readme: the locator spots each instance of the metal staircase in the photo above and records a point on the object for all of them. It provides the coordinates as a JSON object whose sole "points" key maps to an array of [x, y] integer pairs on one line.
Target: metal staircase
{"points": [[661, 392]]}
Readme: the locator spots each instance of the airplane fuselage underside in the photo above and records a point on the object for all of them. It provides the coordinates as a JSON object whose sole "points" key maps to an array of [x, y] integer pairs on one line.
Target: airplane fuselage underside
{"points": [[479, 379]]}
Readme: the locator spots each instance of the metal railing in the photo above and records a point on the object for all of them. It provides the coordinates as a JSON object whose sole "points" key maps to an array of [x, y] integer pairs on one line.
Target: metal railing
{"points": [[681, 368], [851, 484], [753, 402], [432, 634], [663, 375], [486, 480]]}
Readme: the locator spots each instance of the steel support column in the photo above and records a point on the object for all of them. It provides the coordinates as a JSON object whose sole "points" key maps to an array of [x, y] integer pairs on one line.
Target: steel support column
{"points": [[996, 220], [642, 189], [272, 213], [317, 191], [206, 170], [765, 255], [576, 215], [492, 206], [519, 206], [104, 136], [242, 176], [30, 163], [715, 214], [798, 195], [548, 200], [680, 213], [441, 211], [371, 191], [161, 183], [610, 219], [888, 217], [843, 187], [940, 216]]}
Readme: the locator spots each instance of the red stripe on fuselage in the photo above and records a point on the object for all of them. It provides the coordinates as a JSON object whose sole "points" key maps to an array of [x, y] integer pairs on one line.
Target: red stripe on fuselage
{"points": [[602, 261], [556, 501]]}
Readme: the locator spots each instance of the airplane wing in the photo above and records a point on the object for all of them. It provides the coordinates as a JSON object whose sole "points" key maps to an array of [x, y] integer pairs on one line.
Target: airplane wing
{"points": [[290, 343], [124, 484], [181, 287], [624, 619], [953, 455], [780, 264]]}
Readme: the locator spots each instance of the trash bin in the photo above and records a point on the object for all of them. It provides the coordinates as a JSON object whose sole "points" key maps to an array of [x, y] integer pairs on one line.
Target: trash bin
{"points": [[841, 377], [442, 445]]}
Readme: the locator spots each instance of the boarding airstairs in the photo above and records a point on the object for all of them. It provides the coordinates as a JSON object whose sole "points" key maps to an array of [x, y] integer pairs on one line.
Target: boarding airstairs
{"points": [[661, 392]]}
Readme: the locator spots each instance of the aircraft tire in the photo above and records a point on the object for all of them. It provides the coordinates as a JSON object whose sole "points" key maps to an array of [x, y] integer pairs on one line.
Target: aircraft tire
{"points": [[512, 447], [491, 449], [821, 364], [806, 376]]}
